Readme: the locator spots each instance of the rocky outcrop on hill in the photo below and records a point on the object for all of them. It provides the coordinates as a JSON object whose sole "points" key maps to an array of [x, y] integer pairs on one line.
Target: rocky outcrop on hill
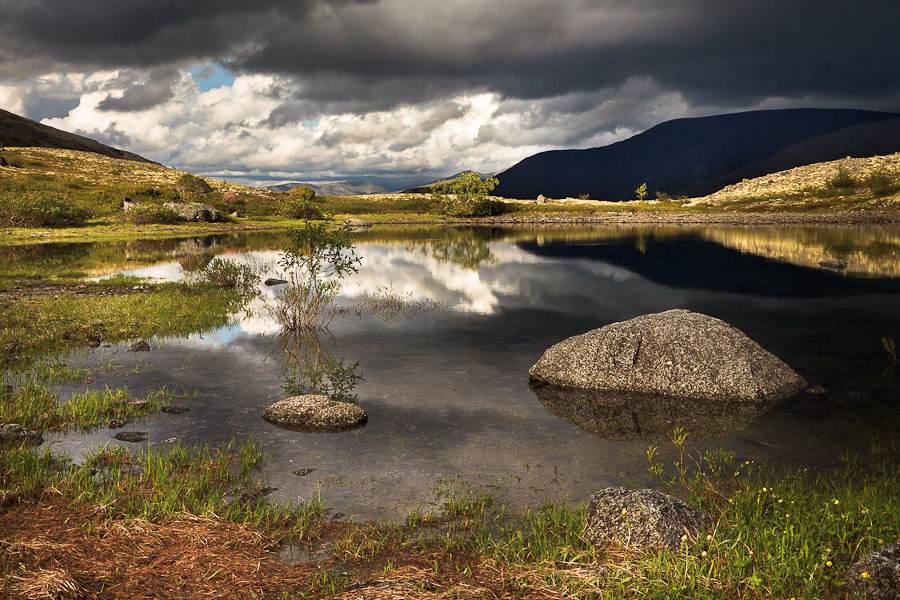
{"points": [[194, 211], [675, 353], [642, 519], [314, 414]]}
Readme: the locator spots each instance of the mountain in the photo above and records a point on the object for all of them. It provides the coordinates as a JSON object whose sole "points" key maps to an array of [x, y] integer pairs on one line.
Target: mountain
{"points": [[698, 156], [337, 188], [19, 131]]}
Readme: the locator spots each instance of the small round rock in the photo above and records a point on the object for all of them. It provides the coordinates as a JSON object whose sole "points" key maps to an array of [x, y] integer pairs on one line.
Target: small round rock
{"points": [[314, 413]]}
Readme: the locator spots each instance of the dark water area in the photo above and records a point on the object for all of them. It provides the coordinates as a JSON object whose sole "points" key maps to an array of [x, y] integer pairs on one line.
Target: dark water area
{"points": [[447, 390]]}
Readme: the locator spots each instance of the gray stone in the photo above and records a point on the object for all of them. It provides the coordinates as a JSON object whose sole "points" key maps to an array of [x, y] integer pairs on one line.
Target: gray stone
{"points": [[314, 413], [834, 263], [194, 211], [674, 353], [131, 436], [357, 223], [13, 433], [882, 569], [642, 519], [541, 199], [632, 416], [140, 346]]}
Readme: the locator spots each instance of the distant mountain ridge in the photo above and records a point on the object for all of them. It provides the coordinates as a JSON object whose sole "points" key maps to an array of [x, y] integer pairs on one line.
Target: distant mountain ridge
{"points": [[19, 131], [698, 156], [337, 188]]}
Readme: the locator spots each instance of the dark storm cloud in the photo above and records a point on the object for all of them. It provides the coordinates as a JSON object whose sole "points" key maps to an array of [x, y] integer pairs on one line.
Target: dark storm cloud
{"points": [[359, 56], [150, 90]]}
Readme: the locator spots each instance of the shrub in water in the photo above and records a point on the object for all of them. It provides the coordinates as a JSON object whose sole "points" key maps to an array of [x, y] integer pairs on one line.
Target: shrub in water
{"points": [[229, 274]]}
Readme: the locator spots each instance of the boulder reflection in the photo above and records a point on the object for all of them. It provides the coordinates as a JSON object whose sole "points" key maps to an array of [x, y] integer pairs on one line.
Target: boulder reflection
{"points": [[630, 416]]}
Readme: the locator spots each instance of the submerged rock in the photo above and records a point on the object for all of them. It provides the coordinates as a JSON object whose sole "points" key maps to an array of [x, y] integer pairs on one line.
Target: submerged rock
{"points": [[194, 211], [13, 433], [882, 574], [175, 409], [674, 353], [314, 414], [140, 346], [641, 518], [130, 436], [630, 416]]}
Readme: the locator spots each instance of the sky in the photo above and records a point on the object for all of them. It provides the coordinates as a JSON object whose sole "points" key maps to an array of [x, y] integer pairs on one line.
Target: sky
{"points": [[401, 92]]}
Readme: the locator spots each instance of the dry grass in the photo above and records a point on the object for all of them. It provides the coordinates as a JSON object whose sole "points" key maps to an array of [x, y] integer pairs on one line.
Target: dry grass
{"points": [[49, 549]]}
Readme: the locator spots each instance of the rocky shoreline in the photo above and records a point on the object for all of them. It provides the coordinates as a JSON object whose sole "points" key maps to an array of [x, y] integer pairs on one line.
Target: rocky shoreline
{"points": [[687, 218]]}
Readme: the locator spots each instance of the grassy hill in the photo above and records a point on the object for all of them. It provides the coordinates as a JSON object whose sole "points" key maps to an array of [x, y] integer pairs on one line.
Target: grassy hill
{"points": [[19, 131], [52, 186]]}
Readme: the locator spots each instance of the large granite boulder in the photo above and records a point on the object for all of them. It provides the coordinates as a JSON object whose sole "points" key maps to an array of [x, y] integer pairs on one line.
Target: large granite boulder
{"points": [[315, 413], [675, 353], [876, 576], [642, 519], [194, 211]]}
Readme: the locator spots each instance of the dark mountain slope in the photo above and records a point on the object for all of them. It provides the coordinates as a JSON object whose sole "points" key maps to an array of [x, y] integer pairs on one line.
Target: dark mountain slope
{"points": [[695, 156], [19, 131]]}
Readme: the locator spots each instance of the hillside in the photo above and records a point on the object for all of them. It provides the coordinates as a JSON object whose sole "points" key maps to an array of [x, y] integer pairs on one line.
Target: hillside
{"points": [[697, 156], [19, 131], [336, 188]]}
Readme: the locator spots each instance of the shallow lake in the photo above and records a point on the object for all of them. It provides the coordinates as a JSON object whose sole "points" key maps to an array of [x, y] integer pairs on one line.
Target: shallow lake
{"points": [[445, 383]]}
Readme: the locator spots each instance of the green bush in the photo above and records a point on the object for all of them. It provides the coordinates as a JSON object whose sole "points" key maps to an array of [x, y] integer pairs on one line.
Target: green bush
{"points": [[192, 184], [229, 274], [841, 180], [38, 208], [146, 214], [466, 195], [298, 204], [881, 183]]}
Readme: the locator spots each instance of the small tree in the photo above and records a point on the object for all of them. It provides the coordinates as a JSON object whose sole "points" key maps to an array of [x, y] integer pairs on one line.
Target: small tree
{"points": [[298, 204], [465, 195], [315, 261], [641, 191]]}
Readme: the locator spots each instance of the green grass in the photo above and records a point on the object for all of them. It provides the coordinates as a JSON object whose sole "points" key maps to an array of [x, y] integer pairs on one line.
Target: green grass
{"points": [[34, 406], [159, 482], [777, 533], [51, 324]]}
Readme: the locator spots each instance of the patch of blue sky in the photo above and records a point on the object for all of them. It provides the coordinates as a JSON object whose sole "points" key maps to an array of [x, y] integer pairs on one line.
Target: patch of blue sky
{"points": [[210, 75], [311, 124]]}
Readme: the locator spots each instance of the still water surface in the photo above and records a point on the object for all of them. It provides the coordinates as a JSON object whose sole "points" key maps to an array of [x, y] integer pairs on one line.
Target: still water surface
{"points": [[447, 390]]}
